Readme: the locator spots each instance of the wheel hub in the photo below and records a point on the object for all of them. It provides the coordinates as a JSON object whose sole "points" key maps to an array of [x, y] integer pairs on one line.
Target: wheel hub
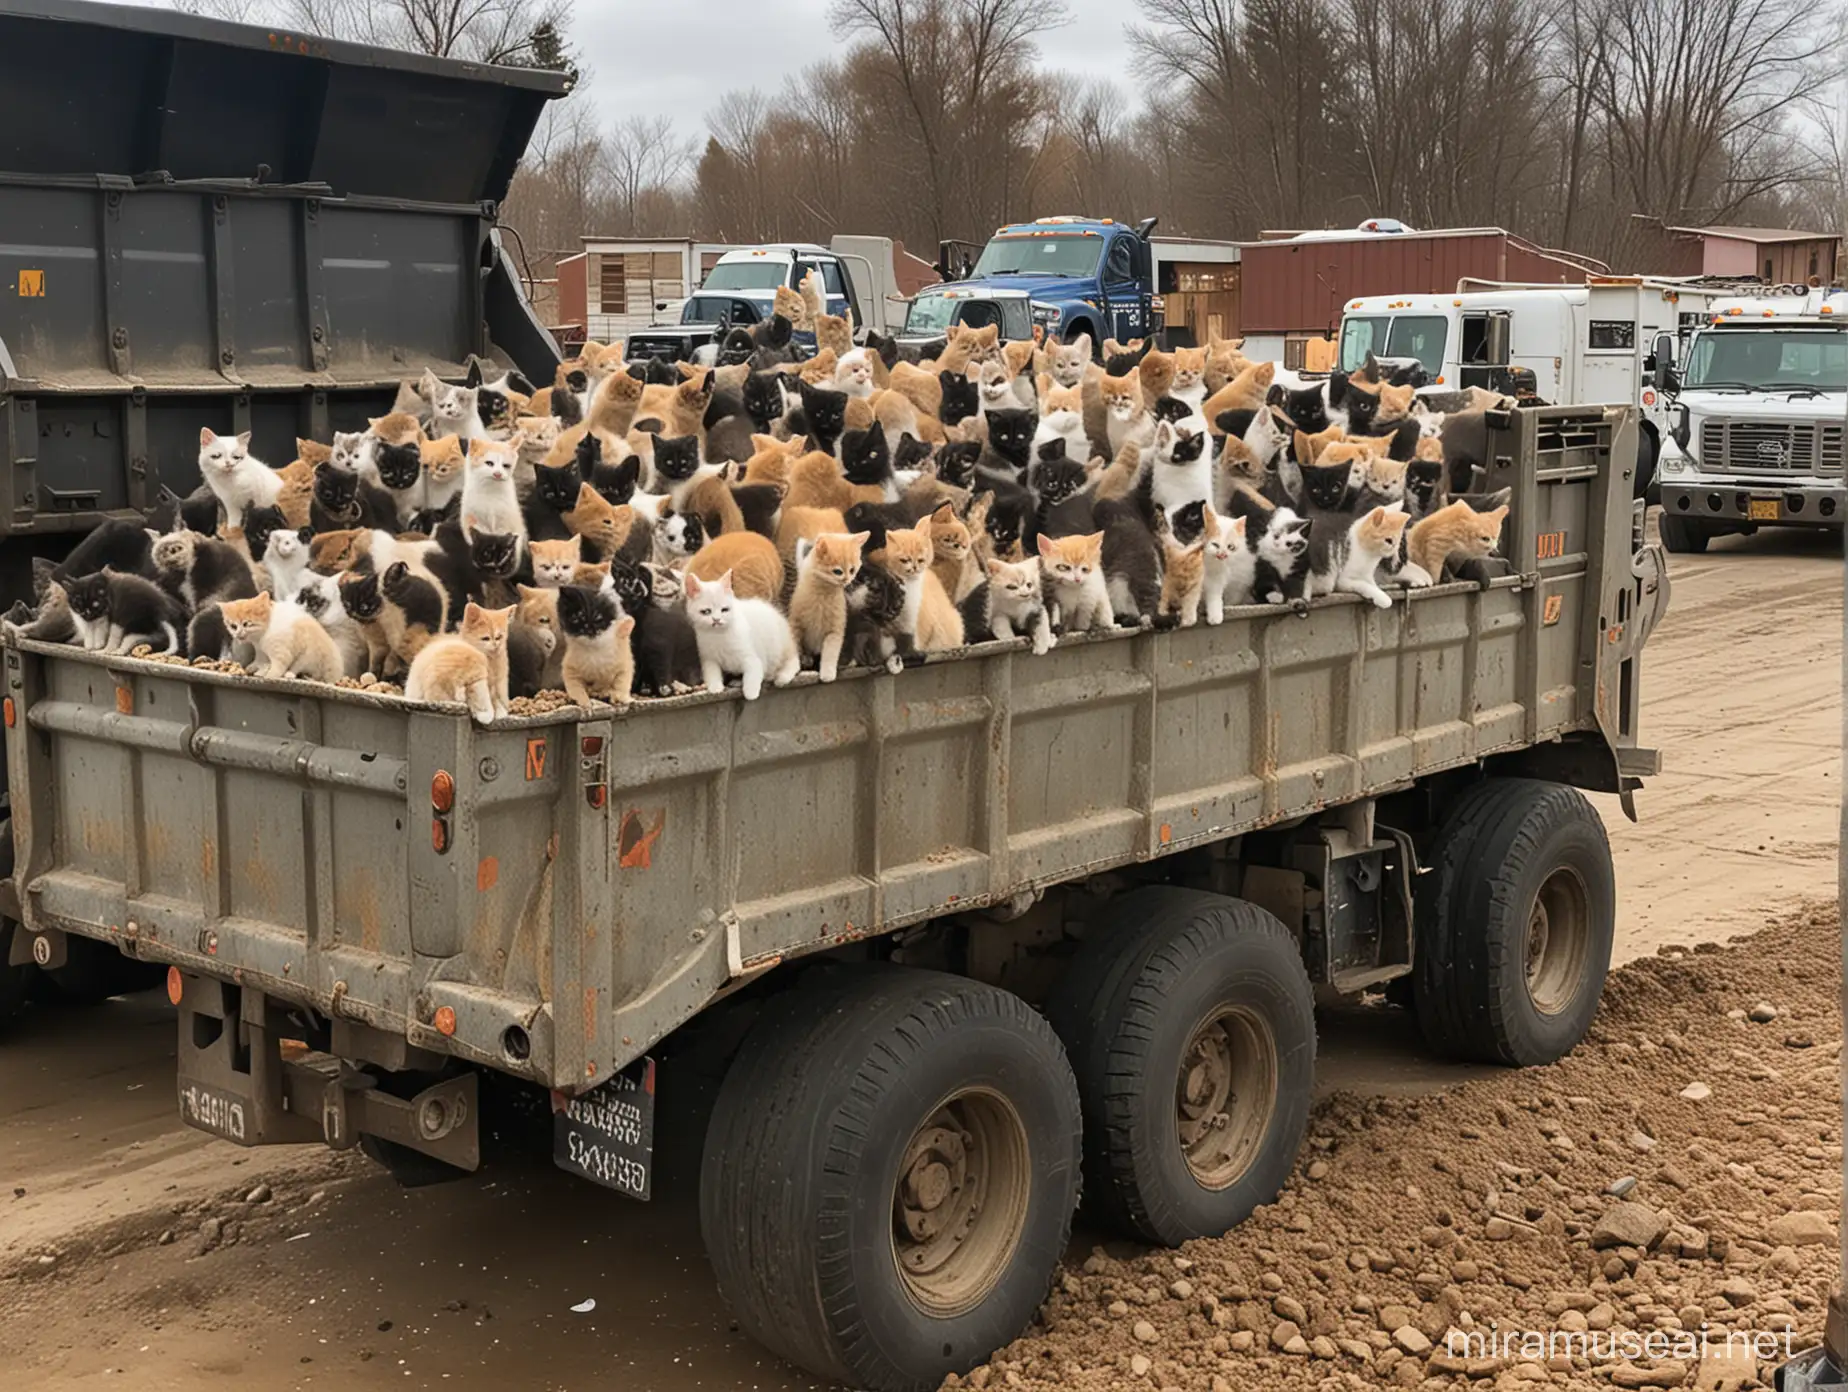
{"points": [[1558, 945], [959, 1202], [1225, 1095]]}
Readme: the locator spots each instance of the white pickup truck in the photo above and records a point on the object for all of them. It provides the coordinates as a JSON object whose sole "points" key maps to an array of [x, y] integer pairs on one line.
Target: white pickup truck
{"points": [[1759, 405]]}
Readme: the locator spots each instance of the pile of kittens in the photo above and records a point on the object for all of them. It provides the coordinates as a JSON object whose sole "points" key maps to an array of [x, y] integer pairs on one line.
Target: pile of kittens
{"points": [[646, 529]]}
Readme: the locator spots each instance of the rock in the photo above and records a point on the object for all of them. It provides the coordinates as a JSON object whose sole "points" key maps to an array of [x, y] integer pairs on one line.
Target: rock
{"points": [[1672, 1174], [1726, 1367], [1620, 1188], [1220, 1384], [1117, 1309], [1357, 1349], [1323, 1347], [1412, 1340], [1284, 1333], [1574, 1321], [1693, 1092], [1242, 1341], [261, 1194], [1297, 1347], [978, 1377], [1180, 1289], [1498, 1230], [1801, 1230], [166, 1238], [1530, 1372], [1144, 1332], [1318, 1169], [1628, 1225], [1139, 1364], [1288, 1307], [1096, 1264], [1691, 1316], [1643, 1141], [1799, 1041], [1763, 1013], [1737, 1291], [1600, 1317], [1670, 1374], [211, 1233], [1464, 1270]]}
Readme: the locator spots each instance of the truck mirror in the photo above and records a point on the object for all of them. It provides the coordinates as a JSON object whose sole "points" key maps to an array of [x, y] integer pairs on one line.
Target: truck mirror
{"points": [[1500, 329], [1666, 378]]}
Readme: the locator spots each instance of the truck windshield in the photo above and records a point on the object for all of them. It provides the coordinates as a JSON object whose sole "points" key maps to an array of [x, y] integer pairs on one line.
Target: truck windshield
{"points": [[717, 309], [747, 275], [930, 314], [1781, 359], [1035, 255], [1420, 336]]}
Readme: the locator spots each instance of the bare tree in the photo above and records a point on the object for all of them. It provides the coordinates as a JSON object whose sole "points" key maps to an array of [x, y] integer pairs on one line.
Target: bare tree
{"points": [[483, 31], [643, 154]]}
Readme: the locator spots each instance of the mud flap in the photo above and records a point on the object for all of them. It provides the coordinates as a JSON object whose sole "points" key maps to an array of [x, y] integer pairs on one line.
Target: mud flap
{"points": [[607, 1134], [235, 1084]]}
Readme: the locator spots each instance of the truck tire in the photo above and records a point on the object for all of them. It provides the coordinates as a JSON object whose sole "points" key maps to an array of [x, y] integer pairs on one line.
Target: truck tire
{"points": [[1648, 450], [857, 1099], [1682, 535], [1085, 326], [1514, 924], [1192, 1031]]}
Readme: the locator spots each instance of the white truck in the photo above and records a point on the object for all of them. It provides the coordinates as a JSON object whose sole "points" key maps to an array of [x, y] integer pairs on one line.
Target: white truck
{"points": [[1599, 343], [1758, 406]]}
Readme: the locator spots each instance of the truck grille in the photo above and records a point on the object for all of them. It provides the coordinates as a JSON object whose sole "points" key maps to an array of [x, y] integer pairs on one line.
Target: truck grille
{"points": [[1770, 447]]}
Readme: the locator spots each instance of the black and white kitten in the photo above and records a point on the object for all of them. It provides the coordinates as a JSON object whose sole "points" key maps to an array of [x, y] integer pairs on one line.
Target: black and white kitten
{"points": [[114, 613], [1282, 572]]}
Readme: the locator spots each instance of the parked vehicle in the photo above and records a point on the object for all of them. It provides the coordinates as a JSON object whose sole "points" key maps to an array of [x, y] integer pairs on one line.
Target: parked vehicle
{"points": [[1758, 404], [1597, 343], [1165, 841]]}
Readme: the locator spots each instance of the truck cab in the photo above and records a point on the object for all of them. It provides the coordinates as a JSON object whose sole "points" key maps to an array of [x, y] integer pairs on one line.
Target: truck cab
{"points": [[1758, 404], [939, 308], [1593, 344], [1081, 275], [741, 290]]}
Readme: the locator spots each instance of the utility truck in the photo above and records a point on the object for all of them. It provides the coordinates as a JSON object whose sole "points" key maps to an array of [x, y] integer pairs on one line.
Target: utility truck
{"points": [[1758, 406], [1597, 343]]}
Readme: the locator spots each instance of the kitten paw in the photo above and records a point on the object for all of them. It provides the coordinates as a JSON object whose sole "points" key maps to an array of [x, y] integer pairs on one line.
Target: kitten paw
{"points": [[895, 664], [1300, 607], [1382, 601]]}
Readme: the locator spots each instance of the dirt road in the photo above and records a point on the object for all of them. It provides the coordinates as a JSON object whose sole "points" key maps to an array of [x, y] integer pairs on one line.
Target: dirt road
{"points": [[129, 1256]]}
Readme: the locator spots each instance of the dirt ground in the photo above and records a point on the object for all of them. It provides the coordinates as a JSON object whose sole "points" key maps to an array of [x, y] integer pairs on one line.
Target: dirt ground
{"points": [[135, 1252]]}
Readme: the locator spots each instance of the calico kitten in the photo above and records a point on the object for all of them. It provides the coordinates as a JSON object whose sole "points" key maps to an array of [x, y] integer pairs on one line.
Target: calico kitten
{"points": [[1009, 602], [238, 478], [825, 568], [748, 638], [322, 597], [1076, 594], [1371, 540], [1280, 574], [288, 640], [598, 663], [469, 667], [112, 613], [677, 536], [201, 570]]}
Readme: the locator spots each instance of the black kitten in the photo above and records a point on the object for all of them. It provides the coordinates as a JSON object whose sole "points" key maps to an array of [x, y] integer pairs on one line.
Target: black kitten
{"points": [[1122, 364], [400, 466], [555, 492], [115, 613], [956, 462], [1132, 559], [822, 417], [912, 453], [764, 401], [207, 636], [676, 458], [584, 612], [259, 522], [961, 398], [666, 653], [875, 607], [866, 459], [1170, 408], [1065, 505], [115, 543], [360, 596], [527, 655], [1010, 435], [335, 503], [760, 503], [633, 585]]}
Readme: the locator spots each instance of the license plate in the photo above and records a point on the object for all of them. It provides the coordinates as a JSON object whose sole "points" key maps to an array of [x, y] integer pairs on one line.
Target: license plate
{"points": [[607, 1134], [1763, 510]]}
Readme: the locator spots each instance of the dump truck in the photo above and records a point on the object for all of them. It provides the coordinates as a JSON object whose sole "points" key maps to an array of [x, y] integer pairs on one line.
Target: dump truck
{"points": [[978, 932]]}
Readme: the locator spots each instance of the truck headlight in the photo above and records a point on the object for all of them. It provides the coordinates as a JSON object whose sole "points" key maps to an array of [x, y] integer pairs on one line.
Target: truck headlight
{"points": [[1047, 314]]}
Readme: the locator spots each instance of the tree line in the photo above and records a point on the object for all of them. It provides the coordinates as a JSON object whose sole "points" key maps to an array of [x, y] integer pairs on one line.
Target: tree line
{"points": [[1583, 125]]}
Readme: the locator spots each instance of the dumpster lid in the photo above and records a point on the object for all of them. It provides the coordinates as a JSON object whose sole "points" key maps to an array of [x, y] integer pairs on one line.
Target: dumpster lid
{"points": [[114, 89]]}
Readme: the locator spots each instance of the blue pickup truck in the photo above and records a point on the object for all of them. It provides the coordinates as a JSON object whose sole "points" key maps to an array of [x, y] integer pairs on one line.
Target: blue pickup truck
{"points": [[1079, 275]]}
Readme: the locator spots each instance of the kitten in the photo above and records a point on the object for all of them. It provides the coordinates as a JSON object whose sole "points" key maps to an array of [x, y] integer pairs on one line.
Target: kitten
{"points": [[1130, 560], [1182, 470], [1280, 574], [395, 459], [469, 667], [737, 635], [666, 652], [1010, 436], [285, 557], [929, 617], [853, 372], [1066, 362], [1231, 564], [337, 500], [554, 561], [598, 663], [350, 451], [952, 556], [412, 612], [1453, 535], [1371, 540], [555, 493], [201, 570], [866, 464], [51, 621], [1009, 602], [453, 410], [1077, 596], [956, 462], [238, 478], [752, 562], [1189, 384], [959, 397], [606, 529], [116, 543], [1327, 503], [112, 613], [288, 641], [765, 401], [1247, 391], [1128, 420], [490, 498], [1183, 580], [825, 568], [1062, 421], [994, 388], [322, 597], [443, 468], [875, 608], [1155, 374], [614, 404], [822, 418]]}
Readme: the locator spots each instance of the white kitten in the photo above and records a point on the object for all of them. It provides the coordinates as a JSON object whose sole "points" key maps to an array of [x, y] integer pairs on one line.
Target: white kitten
{"points": [[1373, 537], [746, 637], [285, 556], [320, 596], [1230, 566], [453, 410], [854, 374], [1016, 603], [1183, 469], [238, 478], [490, 494]]}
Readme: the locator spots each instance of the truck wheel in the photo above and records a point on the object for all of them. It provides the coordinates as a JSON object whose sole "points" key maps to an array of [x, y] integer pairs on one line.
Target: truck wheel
{"points": [[1648, 450], [1192, 1032], [1682, 535], [1085, 326], [1514, 924], [889, 1175]]}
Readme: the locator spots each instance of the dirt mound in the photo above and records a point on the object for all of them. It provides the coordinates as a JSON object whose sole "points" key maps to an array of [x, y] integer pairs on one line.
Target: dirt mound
{"points": [[1675, 1181]]}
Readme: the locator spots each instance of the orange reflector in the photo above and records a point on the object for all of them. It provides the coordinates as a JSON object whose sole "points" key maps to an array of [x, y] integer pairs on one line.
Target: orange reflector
{"points": [[597, 794], [173, 973], [442, 791], [445, 1020], [1440, 379], [11, 713], [439, 835], [593, 746]]}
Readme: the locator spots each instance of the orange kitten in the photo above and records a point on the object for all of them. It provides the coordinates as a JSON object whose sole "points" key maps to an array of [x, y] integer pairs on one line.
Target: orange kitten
{"points": [[469, 667], [1076, 595], [928, 616], [756, 568], [1245, 392], [825, 568], [1451, 534], [1183, 579], [554, 561], [953, 554], [288, 641]]}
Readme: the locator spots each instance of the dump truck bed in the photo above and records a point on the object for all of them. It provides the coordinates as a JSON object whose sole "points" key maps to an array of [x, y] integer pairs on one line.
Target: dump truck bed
{"points": [[602, 878]]}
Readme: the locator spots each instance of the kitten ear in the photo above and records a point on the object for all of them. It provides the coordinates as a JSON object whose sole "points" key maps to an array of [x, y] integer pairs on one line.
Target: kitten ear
{"points": [[243, 439], [804, 549], [478, 447], [529, 591], [206, 436], [1046, 546], [1305, 450], [626, 626], [945, 512], [861, 538]]}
